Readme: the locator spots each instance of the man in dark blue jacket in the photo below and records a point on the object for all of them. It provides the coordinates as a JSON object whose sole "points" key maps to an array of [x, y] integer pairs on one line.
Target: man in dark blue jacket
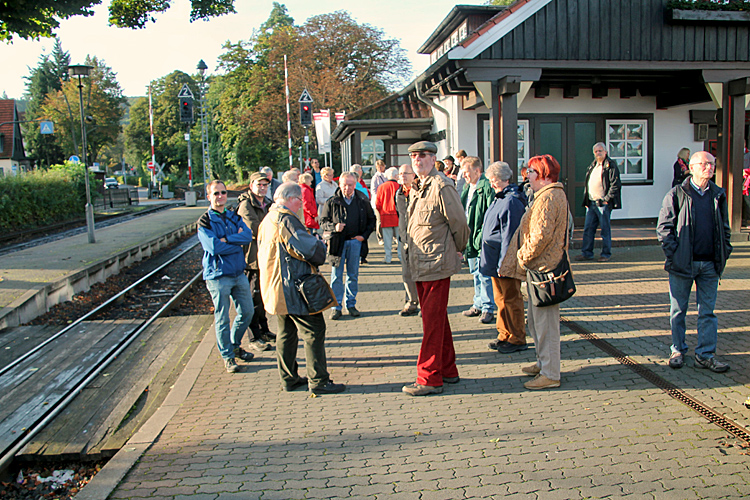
{"points": [[349, 220], [694, 233], [601, 195], [222, 234]]}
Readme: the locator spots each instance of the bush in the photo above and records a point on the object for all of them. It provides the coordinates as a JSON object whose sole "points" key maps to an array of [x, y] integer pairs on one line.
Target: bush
{"points": [[43, 197]]}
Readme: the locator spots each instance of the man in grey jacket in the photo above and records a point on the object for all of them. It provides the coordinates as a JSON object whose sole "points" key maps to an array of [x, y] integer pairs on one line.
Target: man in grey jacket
{"points": [[694, 233]]}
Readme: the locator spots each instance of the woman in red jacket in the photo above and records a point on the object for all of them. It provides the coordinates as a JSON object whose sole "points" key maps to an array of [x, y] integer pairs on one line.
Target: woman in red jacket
{"points": [[309, 205]]}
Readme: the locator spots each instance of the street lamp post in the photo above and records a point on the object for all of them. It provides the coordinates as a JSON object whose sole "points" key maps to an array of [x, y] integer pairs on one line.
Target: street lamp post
{"points": [[204, 131], [81, 70]]}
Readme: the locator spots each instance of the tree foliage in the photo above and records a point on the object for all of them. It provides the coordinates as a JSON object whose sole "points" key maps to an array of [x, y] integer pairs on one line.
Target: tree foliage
{"points": [[344, 65], [169, 132], [48, 76], [103, 103], [39, 18]]}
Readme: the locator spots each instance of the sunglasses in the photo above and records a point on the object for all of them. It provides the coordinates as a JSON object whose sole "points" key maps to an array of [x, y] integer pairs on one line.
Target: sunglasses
{"points": [[421, 154], [216, 193]]}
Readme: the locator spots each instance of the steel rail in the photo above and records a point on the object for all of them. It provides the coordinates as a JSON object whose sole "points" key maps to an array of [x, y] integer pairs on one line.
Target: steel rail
{"points": [[8, 455], [94, 311]]}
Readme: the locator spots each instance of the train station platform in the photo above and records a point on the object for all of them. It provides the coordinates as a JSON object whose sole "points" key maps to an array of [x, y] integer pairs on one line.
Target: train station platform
{"points": [[37, 278], [620, 426]]}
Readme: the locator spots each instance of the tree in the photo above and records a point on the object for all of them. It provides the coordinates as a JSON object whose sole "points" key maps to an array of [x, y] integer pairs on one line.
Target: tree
{"points": [[500, 2], [343, 64], [48, 76], [38, 18], [169, 133], [103, 105]]}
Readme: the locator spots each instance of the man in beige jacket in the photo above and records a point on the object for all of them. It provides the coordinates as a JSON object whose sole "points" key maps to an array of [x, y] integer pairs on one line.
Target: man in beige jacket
{"points": [[436, 235]]}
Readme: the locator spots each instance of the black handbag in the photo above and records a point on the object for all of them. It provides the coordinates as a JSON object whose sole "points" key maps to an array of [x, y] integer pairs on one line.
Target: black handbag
{"points": [[551, 287], [315, 291]]}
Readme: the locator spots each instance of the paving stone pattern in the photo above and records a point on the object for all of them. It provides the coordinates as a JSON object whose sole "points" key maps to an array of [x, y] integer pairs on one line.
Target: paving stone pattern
{"points": [[606, 432]]}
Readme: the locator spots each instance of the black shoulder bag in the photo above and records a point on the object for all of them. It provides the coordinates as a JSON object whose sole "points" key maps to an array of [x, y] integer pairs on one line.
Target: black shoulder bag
{"points": [[552, 287]]}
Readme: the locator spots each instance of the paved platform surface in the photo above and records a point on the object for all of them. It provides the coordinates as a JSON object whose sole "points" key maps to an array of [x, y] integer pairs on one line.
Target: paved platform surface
{"points": [[607, 432], [33, 268]]}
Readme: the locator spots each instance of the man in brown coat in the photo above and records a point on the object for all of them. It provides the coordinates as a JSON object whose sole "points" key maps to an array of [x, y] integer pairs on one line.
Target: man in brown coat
{"points": [[436, 235]]}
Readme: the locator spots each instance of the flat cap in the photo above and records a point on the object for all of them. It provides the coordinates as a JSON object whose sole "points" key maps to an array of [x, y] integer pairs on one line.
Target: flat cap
{"points": [[425, 146], [257, 176]]}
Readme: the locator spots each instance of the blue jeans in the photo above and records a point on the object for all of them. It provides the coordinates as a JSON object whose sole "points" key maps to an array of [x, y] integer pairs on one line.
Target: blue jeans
{"points": [[350, 260], [706, 288], [238, 290], [594, 219], [484, 299]]}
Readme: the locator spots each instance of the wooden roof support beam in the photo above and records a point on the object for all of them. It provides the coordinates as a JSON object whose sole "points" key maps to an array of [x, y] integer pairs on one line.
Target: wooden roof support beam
{"points": [[570, 90], [541, 89]]}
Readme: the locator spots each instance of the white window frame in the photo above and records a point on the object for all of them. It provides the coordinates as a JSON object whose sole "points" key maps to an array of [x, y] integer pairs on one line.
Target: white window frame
{"points": [[624, 175], [375, 152]]}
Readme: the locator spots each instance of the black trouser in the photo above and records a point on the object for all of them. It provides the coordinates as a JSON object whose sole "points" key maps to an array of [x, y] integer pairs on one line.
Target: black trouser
{"points": [[312, 329], [259, 323]]}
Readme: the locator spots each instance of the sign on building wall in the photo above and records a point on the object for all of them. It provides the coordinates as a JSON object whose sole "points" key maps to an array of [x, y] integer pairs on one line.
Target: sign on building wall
{"points": [[322, 122]]}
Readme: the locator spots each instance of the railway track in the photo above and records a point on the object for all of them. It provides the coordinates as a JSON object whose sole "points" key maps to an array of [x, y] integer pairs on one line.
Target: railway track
{"points": [[42, 372]]}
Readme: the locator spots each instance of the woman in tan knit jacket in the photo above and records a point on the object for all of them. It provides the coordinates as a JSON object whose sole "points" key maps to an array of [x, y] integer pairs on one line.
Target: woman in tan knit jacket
{"points": [[542, 243]]}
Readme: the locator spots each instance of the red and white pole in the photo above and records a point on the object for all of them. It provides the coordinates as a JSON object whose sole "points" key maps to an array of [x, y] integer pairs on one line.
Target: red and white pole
{"points": [[151, 127], [288, 121]]}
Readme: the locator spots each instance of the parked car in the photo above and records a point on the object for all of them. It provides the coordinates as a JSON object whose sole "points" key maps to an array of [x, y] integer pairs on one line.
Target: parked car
{"points": [[111, 183]]}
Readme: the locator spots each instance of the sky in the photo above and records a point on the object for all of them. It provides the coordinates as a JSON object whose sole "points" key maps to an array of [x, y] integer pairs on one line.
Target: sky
{"points": [[173, 43]]}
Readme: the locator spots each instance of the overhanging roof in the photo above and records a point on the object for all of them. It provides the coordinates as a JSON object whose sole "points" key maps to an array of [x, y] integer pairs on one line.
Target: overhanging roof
{"points": [[348, 127], [453, 20]]}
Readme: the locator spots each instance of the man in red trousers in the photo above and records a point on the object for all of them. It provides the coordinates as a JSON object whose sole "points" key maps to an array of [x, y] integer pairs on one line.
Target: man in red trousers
{"points": [[436, 235]]}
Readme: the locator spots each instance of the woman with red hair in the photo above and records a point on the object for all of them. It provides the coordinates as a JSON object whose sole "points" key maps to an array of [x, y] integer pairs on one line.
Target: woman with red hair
{"points": [[539, 244]]}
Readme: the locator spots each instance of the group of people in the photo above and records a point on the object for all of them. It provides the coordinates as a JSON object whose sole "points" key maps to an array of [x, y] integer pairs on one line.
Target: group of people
{"points": [[254, 257]]}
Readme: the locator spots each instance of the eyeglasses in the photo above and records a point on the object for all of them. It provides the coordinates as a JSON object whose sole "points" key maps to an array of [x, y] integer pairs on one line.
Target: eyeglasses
{"points": [[420, 154], [217, 193], [530, 171], [704, 164]]}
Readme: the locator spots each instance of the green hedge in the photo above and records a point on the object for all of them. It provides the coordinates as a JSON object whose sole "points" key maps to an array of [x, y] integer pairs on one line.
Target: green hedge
{"points": [[708, 5], [43, 197]]}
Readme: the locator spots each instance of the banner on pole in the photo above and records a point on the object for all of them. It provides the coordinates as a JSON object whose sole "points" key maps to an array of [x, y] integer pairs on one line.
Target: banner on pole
{"points": [[340, 117], [322, 122]]}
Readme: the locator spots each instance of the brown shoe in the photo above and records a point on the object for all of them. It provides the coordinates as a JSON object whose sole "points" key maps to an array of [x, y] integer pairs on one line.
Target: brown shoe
{"points": [[604, 259], [421, 390], [581, 258], [472, 312], [541, 382], [532, 370], [409, 310]]}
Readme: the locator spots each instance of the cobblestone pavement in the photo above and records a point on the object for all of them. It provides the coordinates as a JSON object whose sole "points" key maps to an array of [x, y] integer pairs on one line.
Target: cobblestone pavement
{"points": [[606, 432]]}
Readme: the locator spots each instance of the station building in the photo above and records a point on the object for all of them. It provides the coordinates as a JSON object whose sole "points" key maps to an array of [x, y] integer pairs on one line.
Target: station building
{"points": [[557, 76]]}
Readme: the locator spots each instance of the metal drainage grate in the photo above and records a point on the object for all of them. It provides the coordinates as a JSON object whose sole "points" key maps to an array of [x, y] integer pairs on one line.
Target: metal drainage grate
{"points": [[668, 387]]}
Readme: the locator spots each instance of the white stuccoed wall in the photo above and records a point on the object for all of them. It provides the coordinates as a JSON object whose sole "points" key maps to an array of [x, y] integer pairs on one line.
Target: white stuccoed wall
{"points": [[672, 131]]}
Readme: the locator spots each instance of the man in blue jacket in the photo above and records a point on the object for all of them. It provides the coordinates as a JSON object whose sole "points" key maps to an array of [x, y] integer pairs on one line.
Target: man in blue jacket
{"points": [[694, 233], [222, 234]]}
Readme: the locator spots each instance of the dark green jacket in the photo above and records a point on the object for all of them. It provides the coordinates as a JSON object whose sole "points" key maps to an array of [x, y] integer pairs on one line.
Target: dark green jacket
{"points": [[483, 198]]}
